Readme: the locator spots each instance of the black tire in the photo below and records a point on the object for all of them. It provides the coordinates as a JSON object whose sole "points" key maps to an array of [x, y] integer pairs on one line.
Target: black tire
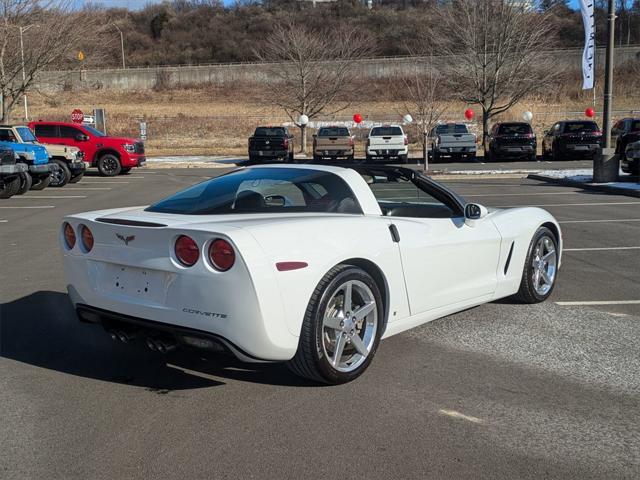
{"points": [[311, 361], [109, 165], [290, 158], [368, 159], [527, 292], [25, 183], [61, 177], [76, 178], [404, 158], [41, 183], [533, 157], [488, 156], [316, 158], [350, 158], [435, 156], [555, 154], [125, 170], [8, 188]]}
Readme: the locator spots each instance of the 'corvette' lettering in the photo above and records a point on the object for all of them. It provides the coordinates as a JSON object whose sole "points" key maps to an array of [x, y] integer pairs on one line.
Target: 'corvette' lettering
{"points": [[206, 314]]}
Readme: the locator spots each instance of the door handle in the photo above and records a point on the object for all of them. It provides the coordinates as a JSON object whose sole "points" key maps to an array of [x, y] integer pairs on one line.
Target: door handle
{"points": [[395, 235]]}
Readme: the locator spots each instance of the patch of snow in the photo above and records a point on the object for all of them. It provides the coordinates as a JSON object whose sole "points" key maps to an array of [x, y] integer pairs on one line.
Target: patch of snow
{"points": [[585, 175]]}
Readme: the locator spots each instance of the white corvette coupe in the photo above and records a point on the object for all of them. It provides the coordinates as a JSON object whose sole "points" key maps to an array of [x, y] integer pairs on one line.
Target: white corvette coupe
{"points": [[305, 264]]}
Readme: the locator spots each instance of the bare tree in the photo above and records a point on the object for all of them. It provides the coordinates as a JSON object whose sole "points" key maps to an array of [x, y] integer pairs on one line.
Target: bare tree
{"points": [[422, 96], [311, 72], [498, 53], [37, 35]]}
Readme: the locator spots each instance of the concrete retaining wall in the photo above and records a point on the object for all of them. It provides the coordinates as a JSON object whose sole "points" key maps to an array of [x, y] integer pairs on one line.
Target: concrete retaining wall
{"points": [[221, 74]]}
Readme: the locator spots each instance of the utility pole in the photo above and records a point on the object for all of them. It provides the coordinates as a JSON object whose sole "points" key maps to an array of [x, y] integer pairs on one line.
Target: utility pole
{"points": [[24, 75], [124, 64], [606, 164]]}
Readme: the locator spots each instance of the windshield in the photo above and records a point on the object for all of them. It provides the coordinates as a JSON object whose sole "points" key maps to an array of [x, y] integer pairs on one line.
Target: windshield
{"points": [[264, 190], [333, 132], [385, 131], [635, 126], [269, 132], [451, 128], [514, 129], [93, 131], [26, 135], [575, 127]]}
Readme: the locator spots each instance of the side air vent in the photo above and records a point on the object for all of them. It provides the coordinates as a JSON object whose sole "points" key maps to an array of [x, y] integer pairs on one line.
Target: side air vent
{"points": [[506, 266], [131, 223]]}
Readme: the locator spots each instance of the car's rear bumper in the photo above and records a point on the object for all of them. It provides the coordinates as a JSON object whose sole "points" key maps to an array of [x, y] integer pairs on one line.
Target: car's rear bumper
{"points": [[578, 148], [269, 153], [515, 150], [391, 152], [333, 153], [455, 150], [140, 328]]}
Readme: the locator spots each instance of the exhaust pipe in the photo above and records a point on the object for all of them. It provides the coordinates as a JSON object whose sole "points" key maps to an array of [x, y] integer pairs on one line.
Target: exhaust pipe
{"points": [[162, 345]]}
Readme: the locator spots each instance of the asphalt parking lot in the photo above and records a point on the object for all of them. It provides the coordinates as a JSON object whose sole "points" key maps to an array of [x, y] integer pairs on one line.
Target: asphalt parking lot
{"points": [[499, 391]]}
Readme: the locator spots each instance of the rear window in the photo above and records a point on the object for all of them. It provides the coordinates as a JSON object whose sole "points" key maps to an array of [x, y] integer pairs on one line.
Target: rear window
{"points": [[577, 127], [68, 132], [46, 131], [269, 132], [385, 131], [6, 135], [514, 129], [264, 190], [333, 132], [451, 128]]}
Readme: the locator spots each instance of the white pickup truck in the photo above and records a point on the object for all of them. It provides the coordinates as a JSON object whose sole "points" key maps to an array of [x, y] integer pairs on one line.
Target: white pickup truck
{"points": [[386, 143], [452, 140]]}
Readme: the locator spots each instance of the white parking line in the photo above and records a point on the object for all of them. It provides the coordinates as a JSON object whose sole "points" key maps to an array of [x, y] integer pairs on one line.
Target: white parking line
{"points": [[601, 302], [597, 249], [602, 221], [520, 194], [459, 415], [34, 197], [3, 221], [87, 188], [39, 206], [569, 204], [102, 182]]}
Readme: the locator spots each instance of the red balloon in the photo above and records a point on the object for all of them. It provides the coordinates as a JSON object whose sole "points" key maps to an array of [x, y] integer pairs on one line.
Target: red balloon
{"points": [[468, 114], [590, 112], [357, 118]]}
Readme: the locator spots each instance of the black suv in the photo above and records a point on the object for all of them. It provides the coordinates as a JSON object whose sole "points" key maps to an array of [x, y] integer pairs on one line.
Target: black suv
{"points": [[623, 133], [512, 140], [572, 138]]}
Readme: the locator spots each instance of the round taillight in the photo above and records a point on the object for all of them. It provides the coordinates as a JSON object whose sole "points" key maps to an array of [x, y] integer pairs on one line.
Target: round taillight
{"points": [[69, 235], [221, 255], [87, 238], [187, 250]]}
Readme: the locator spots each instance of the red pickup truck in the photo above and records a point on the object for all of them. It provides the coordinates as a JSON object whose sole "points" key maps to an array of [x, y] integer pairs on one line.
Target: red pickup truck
{"points": [[111, 155]]}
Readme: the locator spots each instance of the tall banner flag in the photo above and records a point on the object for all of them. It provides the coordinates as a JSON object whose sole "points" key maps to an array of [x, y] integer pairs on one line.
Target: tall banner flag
{"points": [[589, 52]]}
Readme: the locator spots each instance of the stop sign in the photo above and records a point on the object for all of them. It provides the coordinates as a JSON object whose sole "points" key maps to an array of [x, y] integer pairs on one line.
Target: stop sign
{"points": [[77, 116]]}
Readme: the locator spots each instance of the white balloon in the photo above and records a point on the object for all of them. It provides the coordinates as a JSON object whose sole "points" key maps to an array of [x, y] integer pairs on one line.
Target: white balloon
{"points": [[407, 118], [528, 116], [303, 120]]}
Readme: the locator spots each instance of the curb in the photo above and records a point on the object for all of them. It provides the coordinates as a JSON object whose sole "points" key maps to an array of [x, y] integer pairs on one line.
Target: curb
{"points": [[587, 186]]}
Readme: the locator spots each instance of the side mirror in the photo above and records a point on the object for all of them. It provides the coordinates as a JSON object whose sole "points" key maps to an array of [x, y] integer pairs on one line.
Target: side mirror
{"points": [[81, 137], [474, 212], [275, 201]]}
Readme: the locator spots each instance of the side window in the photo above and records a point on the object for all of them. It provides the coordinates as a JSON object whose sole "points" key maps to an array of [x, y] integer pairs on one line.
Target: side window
{"points": [[404, 199], [6, 135], [617, 127], [68, 132], [48, 131]]}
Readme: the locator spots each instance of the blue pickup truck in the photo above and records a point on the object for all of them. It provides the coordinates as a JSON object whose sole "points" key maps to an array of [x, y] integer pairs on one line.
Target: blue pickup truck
{"points": [[35, 157], [10, 173]]}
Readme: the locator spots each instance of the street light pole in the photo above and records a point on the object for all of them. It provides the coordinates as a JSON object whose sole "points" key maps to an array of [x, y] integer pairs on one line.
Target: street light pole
{"points": [[606, 164], [24, 75]]}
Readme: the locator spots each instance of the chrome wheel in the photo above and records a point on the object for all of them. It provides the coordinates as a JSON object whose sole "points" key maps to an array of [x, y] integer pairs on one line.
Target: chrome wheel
{"points": [[349, 325], [544, 262]]}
